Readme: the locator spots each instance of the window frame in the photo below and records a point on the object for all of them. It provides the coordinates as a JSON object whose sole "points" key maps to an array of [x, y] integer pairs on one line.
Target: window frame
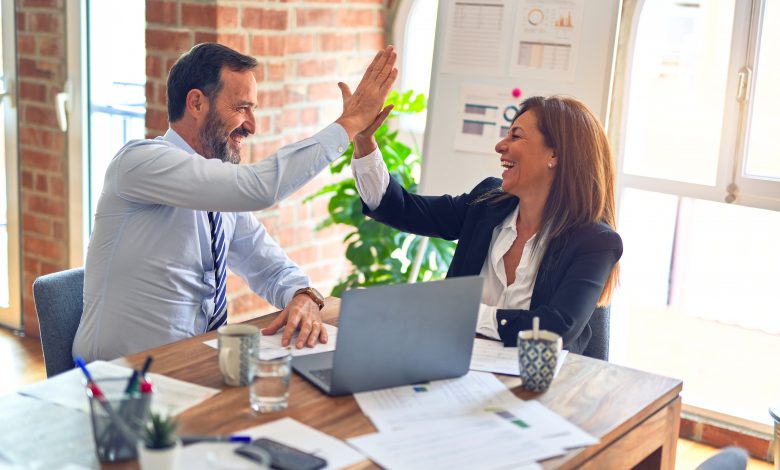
{"points": [[751, 192], [11, 316]]}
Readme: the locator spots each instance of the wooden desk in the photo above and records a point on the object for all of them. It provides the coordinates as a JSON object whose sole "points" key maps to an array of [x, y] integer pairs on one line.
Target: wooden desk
{"points": [[636, 415]]}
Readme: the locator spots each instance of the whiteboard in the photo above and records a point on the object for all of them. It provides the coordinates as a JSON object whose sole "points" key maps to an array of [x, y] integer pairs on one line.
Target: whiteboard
{"points": [[486, 53]]}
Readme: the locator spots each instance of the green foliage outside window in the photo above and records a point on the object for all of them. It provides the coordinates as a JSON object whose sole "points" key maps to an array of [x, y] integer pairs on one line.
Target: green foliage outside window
{"points": [[380, 254]]}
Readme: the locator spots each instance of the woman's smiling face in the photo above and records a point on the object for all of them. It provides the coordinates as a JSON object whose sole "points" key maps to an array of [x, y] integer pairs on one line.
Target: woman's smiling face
{"points": [[525, 157]]}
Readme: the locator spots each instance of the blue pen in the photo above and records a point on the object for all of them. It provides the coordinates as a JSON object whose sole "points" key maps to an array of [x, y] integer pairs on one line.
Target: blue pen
{"points": [[233, 438]]}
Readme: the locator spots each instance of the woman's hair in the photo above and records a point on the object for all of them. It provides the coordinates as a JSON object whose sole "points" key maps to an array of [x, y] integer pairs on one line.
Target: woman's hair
{"points": [[583, 188]]}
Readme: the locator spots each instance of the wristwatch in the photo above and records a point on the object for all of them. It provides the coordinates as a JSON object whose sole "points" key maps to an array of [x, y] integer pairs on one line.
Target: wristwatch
{"points": [[314, 294]]}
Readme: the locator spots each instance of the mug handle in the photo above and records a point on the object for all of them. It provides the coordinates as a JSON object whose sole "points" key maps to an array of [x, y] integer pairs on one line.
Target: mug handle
{"points": [[226, 357]]}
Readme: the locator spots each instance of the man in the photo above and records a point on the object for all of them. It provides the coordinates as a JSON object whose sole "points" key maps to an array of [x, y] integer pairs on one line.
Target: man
{"points": [[171, 215]]}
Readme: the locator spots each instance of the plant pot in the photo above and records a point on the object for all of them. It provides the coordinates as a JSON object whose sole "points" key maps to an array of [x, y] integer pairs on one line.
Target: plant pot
{"points": [[159, 459]]}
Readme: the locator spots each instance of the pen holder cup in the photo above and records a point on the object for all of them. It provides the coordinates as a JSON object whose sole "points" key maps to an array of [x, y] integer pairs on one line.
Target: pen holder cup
{"points": [[116, 436]]}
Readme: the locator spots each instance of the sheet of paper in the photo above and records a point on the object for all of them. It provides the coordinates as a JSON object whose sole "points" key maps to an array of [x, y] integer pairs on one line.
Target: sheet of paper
{"points": [[485, 443], [275, 341], [542, 423], [546, 39], [399, 407], [287, 431], [493, 356], [473, 38], [39, 434], [67, 389]]}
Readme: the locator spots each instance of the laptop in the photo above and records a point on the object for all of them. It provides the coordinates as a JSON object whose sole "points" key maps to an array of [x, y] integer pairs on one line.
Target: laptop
{"points": [[398, 335]]}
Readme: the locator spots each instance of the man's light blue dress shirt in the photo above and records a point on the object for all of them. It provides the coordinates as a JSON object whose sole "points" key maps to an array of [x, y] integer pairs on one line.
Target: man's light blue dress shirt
{"points": [[149, 274]]}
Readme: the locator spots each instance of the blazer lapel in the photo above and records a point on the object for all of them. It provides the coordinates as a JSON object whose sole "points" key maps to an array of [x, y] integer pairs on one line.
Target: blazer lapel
{"points": [[477, 249]]}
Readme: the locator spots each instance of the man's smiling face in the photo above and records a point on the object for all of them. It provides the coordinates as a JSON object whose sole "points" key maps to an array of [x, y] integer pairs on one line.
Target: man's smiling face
{"points": [[230, 116]]}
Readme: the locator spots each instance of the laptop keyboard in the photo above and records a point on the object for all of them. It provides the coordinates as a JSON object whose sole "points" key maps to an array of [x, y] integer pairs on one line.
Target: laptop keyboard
{"points": [[323, 374]]}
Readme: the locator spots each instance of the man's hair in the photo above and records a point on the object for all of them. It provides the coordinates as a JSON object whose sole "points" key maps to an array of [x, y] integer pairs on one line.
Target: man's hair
{"points": [[200, 69]]}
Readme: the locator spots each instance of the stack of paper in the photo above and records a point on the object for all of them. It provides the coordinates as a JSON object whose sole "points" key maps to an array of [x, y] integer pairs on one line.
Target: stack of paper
{"points": [[275, 341], [493, 356], [460, 423]]}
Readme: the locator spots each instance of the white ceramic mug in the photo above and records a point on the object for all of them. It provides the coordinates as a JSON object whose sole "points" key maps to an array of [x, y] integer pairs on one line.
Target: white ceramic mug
{"points": [[236, 343]]}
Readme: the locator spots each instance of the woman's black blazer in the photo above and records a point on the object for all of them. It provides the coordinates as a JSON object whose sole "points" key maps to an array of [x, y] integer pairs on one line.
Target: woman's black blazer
{"points": [[571, 275]]}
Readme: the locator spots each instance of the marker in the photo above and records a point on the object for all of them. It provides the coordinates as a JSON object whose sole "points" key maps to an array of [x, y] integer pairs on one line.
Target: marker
{"points": [[145, 368], [233, 438]]}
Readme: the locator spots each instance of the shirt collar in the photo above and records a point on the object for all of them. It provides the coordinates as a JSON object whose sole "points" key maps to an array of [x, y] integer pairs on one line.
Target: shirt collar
{"points": [[511, 219], [173, 137]]}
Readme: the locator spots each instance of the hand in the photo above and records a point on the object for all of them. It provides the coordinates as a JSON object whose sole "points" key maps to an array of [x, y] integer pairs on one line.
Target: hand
{"points": [[365, 142], [304, 314], [363, 107]]}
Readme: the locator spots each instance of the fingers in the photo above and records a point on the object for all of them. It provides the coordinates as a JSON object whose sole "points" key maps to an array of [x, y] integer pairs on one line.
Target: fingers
{"points": [[292, 325], [316, 328], [323, 335], [388, 83], [306, 329], [275, 325], [346, 93]]}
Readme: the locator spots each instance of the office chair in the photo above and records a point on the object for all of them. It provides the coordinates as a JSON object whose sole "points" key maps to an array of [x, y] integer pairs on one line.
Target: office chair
{"points": [[59, 302], [598, 347], [729, 458]]}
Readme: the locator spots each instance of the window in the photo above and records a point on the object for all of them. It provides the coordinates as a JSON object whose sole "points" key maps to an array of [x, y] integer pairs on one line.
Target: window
{"points": [[107, 95], [699, 193], [10, 270]]}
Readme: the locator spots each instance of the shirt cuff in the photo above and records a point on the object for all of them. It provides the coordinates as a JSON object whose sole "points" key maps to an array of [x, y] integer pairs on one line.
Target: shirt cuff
{"points": [[334, 140], [370, 162], [486, 321]]}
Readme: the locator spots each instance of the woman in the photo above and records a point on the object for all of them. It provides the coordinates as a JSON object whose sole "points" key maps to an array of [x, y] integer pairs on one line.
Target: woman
{"points": [[542, 236]]}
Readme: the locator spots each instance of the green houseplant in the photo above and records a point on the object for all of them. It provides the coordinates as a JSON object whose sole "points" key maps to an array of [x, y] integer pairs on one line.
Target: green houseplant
{"points": [[380, 254], [159, 448]]}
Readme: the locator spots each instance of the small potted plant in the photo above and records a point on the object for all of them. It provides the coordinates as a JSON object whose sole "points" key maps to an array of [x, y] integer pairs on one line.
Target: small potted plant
{"points": [[159, 448]]}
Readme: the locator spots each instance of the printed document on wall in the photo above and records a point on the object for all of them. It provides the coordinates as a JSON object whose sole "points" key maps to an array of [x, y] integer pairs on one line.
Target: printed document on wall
{"points": [[484, 117], [546, 39], [474, 41]]}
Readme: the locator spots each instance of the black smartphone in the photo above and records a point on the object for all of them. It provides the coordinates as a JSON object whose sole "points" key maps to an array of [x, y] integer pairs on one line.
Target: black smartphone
{"points": [[283, 457]]}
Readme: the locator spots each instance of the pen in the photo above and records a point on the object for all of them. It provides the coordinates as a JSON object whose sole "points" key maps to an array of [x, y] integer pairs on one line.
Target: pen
{"points": [[233, 438], [145, 368], [131, 383]]}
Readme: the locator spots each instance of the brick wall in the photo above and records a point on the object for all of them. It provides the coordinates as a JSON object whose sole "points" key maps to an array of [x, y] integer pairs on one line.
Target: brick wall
{"points": [[304, 48], [43, 161]]}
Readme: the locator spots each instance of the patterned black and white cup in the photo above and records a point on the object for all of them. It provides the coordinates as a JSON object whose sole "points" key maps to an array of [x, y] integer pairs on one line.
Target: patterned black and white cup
{"points": [[538, 358]]}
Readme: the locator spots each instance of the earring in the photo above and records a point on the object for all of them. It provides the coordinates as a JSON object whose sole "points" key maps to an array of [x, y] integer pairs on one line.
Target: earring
{"points": [[549, 165]]}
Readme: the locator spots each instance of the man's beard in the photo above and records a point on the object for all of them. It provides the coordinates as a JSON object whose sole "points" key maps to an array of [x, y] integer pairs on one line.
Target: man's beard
{"points": [[215, 143]]}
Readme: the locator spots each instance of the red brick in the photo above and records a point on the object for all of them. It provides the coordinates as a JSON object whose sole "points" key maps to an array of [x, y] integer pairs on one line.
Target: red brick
{"points": [[162, 12], [25, 44], [315, 17], [41, 184], [351, 18], [42, 248], [41, 160], [270, 99], [30, 264], [290, 118], [233, 41], [153, 66], [316, 67], [262, 18], [172, 41], [310, 116], [303, 255], [205, 36], [45, 205], [263, 125], [194, 15], [45, 22], [49, 46], [21, 21], [337, 42], [298, 43], [277, 71], [34, 69], [57, 185], [371, 41], [719, 437], [381, 19], [42, 4], [227, 17], [295, 93], [35, 224], [267, 46], [323, 91], [29, 91], [156, 121], [27, 180]]}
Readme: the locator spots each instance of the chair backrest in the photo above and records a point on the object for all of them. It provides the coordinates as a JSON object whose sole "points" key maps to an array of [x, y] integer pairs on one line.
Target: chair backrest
{"points": [[598, 347], [728, 458], [59, 301]]}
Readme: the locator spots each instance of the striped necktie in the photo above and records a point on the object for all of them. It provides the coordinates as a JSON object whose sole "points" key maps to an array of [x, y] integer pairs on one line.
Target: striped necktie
{"points": [[219, 317]]}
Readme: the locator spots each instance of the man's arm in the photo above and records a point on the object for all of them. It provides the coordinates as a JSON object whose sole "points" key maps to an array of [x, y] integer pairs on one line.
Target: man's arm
{"points": [[271, 274]]}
